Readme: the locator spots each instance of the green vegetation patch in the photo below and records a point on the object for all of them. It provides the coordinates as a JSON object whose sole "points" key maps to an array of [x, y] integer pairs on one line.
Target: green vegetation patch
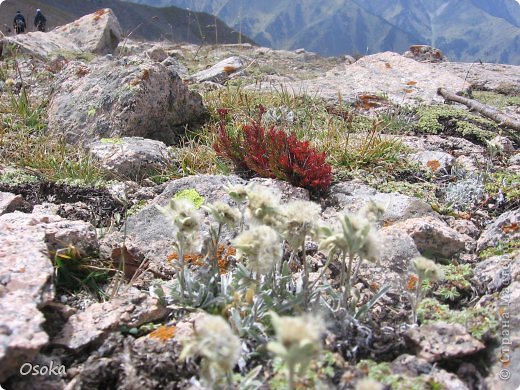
{"points": [[502, 248], [382, 372], [192, 195], [495, 99], [506, 182], [481, 323], [448, 119]]}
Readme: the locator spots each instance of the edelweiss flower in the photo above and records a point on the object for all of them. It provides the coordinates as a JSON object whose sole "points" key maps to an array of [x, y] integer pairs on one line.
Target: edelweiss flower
{"points": [[216, 343], [261, 246], [300, 218], [263, 205], [298, 331], [237, 192], [427, 269], [223, 213]]}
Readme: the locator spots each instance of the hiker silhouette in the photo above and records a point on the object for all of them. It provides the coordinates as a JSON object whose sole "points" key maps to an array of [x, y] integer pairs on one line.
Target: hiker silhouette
{"points": [[39, 21], [19, 23]]}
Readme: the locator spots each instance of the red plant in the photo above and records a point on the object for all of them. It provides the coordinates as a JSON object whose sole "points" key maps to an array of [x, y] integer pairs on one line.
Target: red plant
{"points": [[274, 154]]}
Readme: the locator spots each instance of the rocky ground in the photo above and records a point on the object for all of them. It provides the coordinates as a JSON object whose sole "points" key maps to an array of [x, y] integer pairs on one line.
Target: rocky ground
{"points": [[98, 130]]}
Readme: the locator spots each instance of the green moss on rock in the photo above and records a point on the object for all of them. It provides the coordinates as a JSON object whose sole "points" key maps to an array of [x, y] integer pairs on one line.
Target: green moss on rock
{"points": [[192, 195], [448, 119]]}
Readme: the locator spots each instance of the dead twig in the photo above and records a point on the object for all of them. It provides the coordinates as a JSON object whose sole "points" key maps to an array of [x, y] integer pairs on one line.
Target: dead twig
{"points": [[487, 111]]}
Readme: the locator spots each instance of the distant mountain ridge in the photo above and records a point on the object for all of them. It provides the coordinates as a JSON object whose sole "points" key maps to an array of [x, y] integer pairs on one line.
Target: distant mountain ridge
{"points": [[137, 20], [466, 30]]}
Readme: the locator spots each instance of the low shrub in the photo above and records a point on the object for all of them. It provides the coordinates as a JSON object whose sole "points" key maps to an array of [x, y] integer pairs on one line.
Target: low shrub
{"points": [[273, 153]]}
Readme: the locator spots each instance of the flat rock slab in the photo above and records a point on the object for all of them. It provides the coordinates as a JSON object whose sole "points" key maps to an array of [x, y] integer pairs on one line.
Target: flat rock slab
{"points": [[151, 233], [402, 80], [25, 285], [397, 251], [95, 323], [434, 237], [98, 33], [442, 341], [495, 77], [350, 197], [219, 72], [504, 229], [127, 97]]}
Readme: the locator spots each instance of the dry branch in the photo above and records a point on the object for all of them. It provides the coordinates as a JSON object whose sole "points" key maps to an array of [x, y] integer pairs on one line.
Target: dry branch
{"points": [[489, 112]]}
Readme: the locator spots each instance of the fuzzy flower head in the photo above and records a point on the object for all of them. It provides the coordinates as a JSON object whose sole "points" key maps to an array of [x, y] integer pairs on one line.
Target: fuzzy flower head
{"points": [[298, 339], [261, 245], [183, 214], [223, 213], [357, 236], [185, 218], [264, 205], [298, 331], [215, 342], [300, 218], [237, 192], [373, 211], [369, 384], [427, 269]]}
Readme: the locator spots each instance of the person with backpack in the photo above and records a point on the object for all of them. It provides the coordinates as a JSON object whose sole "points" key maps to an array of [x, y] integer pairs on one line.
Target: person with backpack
{"points": [[39, 21], [19, 23]]}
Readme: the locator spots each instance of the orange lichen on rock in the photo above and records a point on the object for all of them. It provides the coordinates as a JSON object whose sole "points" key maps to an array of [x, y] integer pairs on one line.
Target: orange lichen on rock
{"points": [[434, 165], [412, 282], [229, 69], [223, 253], [164, 333], [99, 13]]}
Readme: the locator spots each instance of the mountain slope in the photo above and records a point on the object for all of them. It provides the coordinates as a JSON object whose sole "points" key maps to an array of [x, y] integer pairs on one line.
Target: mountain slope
{"points": [[465, 30], [332, 27], [139, 20]]}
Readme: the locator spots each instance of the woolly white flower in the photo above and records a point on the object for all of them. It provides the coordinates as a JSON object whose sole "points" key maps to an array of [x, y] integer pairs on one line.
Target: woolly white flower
{"points": [[298, 331], [216, 343], [261, 246], [369, 384], [185, 218], [300, 218], [263, 205], [427, 269], [237, 192], [223, 213]]}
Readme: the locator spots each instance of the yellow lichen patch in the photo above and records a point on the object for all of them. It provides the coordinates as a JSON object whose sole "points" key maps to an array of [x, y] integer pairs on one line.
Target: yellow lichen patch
{"points": [[164, 333]]}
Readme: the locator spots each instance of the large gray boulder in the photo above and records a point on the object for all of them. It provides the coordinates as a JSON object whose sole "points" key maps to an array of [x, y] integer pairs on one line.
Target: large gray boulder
{"points": [[151, 233], [131, 158], [97, 33], [132, 96], [350, 197]]}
